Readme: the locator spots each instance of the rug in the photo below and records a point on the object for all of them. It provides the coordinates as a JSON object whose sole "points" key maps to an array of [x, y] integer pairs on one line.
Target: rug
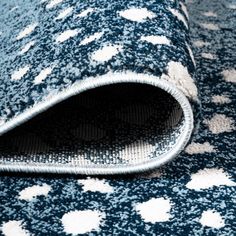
{"points": [[101, 93], [192, 195]]}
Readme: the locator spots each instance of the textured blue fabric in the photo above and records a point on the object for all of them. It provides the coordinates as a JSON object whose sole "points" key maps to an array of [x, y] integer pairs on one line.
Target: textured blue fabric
{"points": [[70, 60], [199, 206], [52, 49]]}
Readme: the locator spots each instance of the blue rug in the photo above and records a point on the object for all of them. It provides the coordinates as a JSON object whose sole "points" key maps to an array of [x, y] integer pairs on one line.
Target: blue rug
{"points": [[192, 195], [101, 93]]}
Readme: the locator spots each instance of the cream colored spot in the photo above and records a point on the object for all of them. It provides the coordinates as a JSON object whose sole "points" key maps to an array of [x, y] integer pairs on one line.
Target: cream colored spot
{"points": [[229, 75], [208, 56], [200, 43], [209, 14], [155, 210], [208, 178], [31, 192], [137, 152], [95, 185], [154, 39], [28, 30], [43, 75], [66, 35], [212, 218], [27, 47], [53, 3], [81, 222], [14, 228], [17, 75], [106, 53], [220, 99], [199, 148], [179, 16], [91, 38], [179, 76], [210, 26], [137, 14], [220, 123], [64, 13], [86, 12]]}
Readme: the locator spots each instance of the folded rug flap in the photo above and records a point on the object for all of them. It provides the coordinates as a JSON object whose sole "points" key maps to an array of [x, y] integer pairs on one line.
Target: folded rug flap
{"points": [[128, 68]]}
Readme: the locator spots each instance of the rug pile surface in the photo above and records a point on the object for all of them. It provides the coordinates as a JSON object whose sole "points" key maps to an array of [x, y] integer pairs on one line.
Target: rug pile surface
{"points": [[193, 195]]}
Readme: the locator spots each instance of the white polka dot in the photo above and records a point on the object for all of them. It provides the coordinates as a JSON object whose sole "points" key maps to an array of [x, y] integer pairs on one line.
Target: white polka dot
{"points": [[31, 192], [28, 30], [212, 218], [14, 228], [137, 14], [220, 99], [95, 185], [27, 47], [154, 39], [209, 14], [199, 148], [81, 222], [208, 178], [220, 123], [66, 35], [64, 13], [136, 152], [106, 53], [155, 210], [210, 26], [208, 56], [53, 3], [179, 76], [179, 16], [85, 12], [17, 75], [229, 75], [91, 38], [200, 43], [43, 75]]}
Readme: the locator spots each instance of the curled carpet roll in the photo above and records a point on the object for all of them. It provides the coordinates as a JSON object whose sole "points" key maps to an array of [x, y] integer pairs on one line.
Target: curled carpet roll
{"points": [[95, 87]]}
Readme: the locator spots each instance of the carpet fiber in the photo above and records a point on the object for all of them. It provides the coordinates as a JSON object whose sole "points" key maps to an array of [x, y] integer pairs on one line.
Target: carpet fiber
{"points": [[112, 96], [193, 195]]}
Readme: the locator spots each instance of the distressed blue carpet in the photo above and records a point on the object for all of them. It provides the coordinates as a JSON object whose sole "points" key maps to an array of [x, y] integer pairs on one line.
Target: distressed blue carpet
{"points": [[195, 194], [107, 87]]}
